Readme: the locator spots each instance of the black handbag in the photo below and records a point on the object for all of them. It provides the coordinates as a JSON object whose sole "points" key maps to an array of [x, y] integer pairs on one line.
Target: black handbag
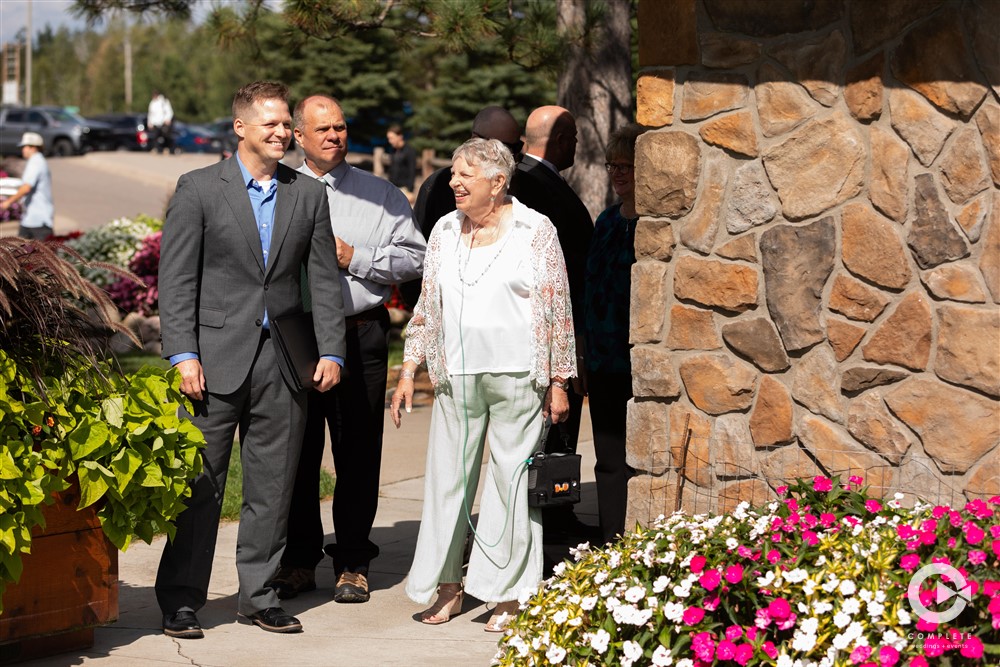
{"points": [[553, 479]]}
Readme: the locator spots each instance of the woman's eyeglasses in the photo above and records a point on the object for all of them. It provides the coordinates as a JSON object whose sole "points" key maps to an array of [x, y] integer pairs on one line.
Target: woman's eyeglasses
{"points": [[620, 168]]}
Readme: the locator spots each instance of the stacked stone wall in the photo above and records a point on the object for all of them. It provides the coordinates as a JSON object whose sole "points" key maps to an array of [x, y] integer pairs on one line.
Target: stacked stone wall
{"points": [[818, 271]]}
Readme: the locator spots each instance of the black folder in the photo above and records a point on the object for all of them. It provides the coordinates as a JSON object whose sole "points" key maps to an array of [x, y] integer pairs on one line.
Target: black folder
{"points": [[296, 341]]}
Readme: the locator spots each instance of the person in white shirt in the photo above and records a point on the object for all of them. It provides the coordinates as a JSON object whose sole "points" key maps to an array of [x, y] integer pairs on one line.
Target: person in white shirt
{"points": [[160, 120], [36, 190]]}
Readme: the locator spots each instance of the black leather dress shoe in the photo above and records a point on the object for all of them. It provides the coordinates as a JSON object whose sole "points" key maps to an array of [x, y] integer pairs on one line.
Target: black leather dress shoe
{"points": [[276, 619], [183, 625]]}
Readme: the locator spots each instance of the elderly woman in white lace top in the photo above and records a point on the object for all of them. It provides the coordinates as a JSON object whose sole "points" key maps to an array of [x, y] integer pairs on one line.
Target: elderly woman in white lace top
{"points": [[495, 328]]}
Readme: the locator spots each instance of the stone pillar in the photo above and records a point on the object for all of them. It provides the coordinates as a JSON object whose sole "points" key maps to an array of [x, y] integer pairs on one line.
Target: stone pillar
{"points": [[818, 272]]}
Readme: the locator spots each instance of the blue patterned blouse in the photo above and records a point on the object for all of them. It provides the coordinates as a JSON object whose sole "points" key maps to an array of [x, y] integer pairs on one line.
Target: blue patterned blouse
{"points": [[608, 293]]}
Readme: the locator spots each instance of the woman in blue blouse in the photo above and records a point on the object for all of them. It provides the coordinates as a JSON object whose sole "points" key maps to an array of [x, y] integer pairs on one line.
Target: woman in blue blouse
{"points": [[606, 302]]}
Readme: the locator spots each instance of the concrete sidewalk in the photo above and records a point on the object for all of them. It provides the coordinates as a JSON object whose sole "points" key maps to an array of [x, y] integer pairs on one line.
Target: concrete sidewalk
{"points": [[384, 631]]}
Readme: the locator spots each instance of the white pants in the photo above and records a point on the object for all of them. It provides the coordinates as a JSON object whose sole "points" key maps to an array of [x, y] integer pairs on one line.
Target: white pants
{"points": [[507, 553]]}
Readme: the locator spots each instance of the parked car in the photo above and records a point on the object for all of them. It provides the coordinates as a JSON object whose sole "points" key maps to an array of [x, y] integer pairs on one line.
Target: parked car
{"points": [[194, 138], [128, 131], [64, 132]]}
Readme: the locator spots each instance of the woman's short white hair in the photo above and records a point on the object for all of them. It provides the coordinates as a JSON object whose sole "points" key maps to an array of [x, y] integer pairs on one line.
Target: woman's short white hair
{"points": [[491, 156]]}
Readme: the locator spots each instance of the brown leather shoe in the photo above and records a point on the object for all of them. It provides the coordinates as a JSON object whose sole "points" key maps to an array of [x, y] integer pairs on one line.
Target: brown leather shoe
{"points": [[351, 587], [290, 581]]}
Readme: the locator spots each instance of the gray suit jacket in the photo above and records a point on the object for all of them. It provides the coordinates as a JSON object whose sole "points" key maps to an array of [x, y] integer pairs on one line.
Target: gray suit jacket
{"points": [[213, 283]]}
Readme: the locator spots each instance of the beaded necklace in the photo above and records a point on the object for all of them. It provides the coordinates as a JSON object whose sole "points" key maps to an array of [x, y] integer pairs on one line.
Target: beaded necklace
{"points": [[463, 266]]}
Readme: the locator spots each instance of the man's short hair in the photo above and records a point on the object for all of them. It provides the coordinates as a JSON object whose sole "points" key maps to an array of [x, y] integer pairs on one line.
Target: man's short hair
{"points": [[395, 128], [258, 91]]}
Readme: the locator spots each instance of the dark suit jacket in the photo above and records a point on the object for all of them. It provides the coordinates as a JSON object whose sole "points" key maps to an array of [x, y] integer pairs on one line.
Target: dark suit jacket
{"points": [[213, 283], [538, 187]]}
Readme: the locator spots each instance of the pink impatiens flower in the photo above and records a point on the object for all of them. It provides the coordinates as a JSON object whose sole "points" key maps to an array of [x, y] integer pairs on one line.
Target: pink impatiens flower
{"points": [[873, 505], [697, 564], [769, 650], [971, 647], [888, 656], [779, 608], [918, 661], [821, 483], [909, 562], [726, 650], [860, 654], [773, 556], [974, 534], [693, 615], [977, 557], [710, 579], [734, 632], [744, 652], [734, 573]]}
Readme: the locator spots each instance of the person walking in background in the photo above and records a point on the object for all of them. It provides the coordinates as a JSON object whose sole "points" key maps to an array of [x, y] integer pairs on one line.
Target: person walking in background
{"points": [[378, 245], [550, 147], [607, 294], [495, 329], [235, 240], [403, 167], [159, 120], [35, 192]]}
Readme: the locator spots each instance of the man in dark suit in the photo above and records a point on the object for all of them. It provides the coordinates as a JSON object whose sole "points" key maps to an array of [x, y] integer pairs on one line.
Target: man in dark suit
{"points": [[237, 236], [550, 147]]}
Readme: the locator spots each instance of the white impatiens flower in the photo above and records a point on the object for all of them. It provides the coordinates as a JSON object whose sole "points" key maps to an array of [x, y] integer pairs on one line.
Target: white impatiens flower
{"points": [[601, 577], [519, 645], [866, 595], [631, 652], [903, 616], [840, 619], [820, 607], [660, 584], [851, 606], [796, 575], [559, 569], [685, 662], [875, 609], [731, 544], [785, 661], [555, 654], [560, 617], [847, 587], [766, 580], [599, 640], [525, 595], [536, 610], [808, 587], [588, 602], [673, 611], [831, 584], [635, 593], [662, 656], [803, 642]]}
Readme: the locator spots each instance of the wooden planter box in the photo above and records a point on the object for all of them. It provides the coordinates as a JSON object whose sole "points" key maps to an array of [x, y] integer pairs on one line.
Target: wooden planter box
{"points": [[68, 587]]}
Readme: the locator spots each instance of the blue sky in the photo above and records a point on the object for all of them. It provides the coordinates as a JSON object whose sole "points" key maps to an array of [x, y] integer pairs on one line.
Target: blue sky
{"points": [[14, 15]]}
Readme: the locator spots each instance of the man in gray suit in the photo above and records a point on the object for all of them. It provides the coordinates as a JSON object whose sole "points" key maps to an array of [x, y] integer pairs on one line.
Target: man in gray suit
{"points": [[237, 236]]}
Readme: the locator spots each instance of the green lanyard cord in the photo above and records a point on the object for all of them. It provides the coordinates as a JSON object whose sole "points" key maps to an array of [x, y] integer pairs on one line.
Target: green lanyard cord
{"points": [[518, 471]]}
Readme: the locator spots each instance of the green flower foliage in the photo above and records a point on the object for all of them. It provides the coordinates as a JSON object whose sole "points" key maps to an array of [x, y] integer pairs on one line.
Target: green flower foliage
{"points": [[114, 243], [123, 440]]}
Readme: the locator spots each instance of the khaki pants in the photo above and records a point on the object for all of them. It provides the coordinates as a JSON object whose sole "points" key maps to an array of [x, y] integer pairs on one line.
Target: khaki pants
{"points": [[507, 552]]}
